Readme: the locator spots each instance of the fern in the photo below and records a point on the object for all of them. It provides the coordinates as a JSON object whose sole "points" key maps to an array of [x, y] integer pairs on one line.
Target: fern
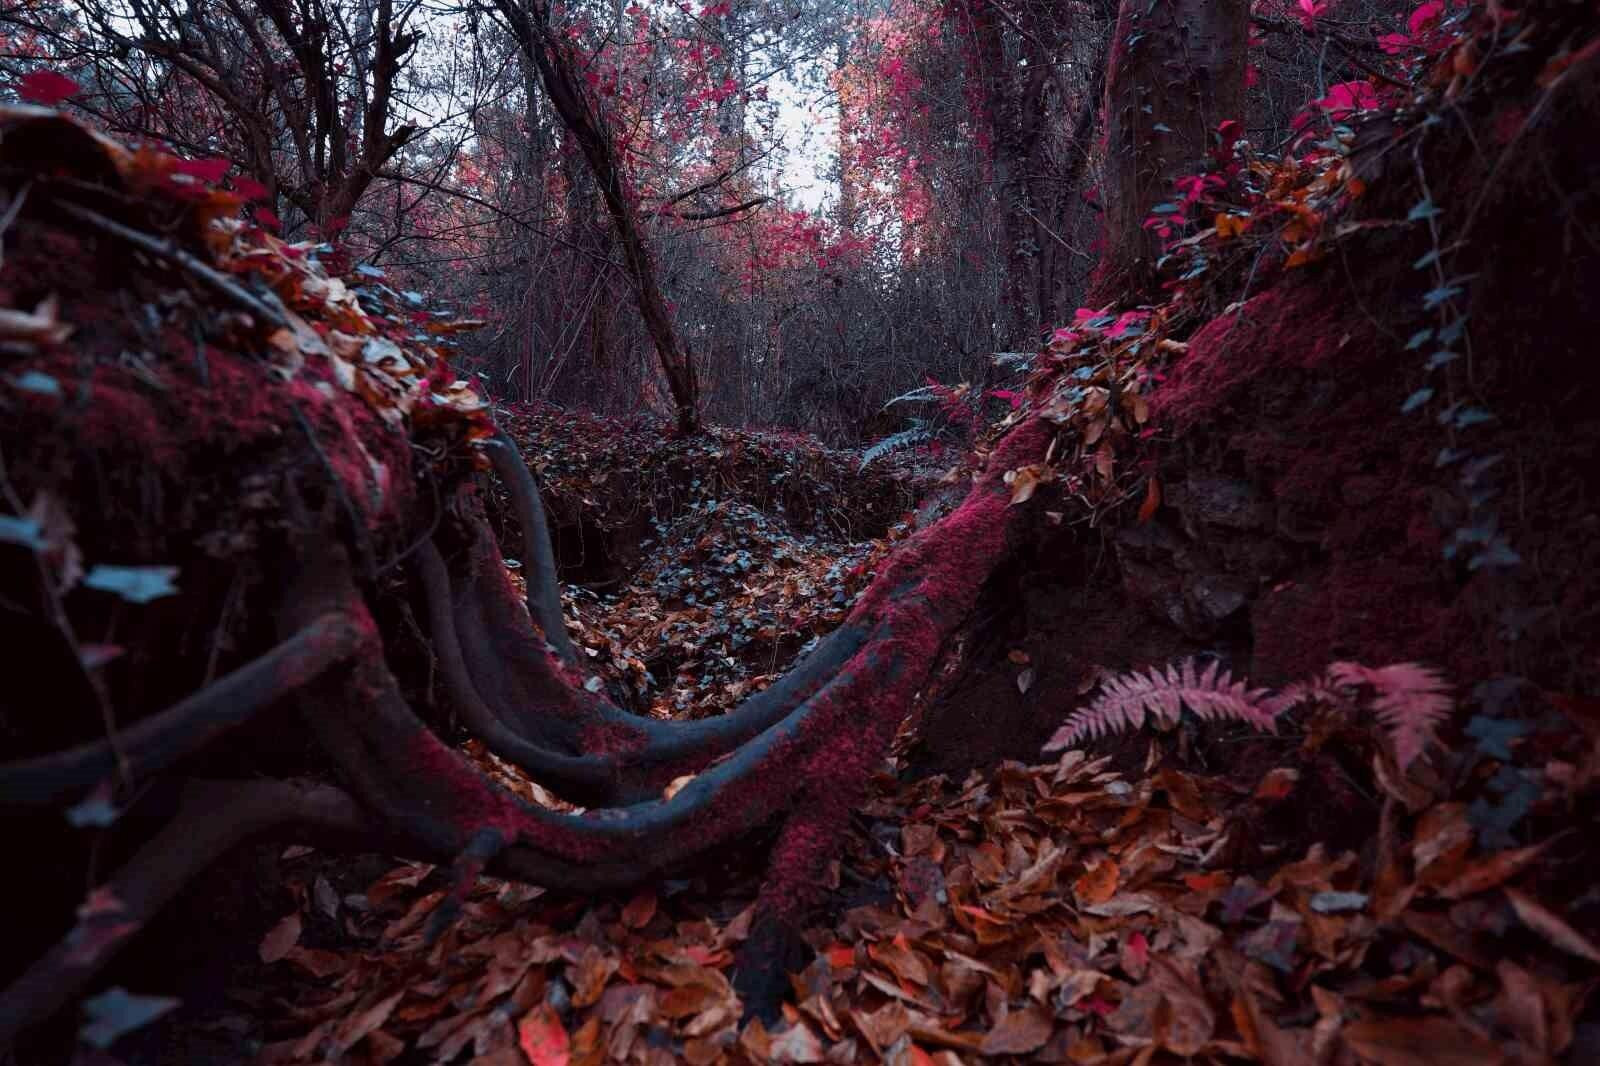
{"points": [[906, 438], [1411, 700], [1125, 700], [925, 394]]}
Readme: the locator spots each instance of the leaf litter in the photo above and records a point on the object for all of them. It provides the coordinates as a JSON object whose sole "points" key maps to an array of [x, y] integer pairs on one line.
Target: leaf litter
{"points": [[1098, 908]]}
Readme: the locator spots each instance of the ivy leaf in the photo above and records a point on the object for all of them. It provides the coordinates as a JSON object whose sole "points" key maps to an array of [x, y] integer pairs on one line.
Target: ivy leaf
{"points": [[37, 381], [1497, 555], [136, 584], [1338, 902], [1442, 358], [1471, 472], [23, 531], [1434, 297], [1494, 735], [1416, 400], [115, 1012], [1424, 209], [95, 812], [1419, 338], [1497, 693], [1494, 821]]}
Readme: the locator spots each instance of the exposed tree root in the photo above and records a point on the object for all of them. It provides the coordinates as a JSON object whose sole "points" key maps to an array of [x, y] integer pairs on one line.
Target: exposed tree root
{"points": [[212, 818], [581, 778], [539, 557], [156, 742], [807, 745]]}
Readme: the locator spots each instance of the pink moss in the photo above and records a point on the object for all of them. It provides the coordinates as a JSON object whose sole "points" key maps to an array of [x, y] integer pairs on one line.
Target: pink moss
{"points": [[1290, 327]]}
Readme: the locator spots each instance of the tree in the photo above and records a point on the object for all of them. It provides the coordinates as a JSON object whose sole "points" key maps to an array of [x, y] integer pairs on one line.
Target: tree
{"points": [[586, 123], [1176, 72]]}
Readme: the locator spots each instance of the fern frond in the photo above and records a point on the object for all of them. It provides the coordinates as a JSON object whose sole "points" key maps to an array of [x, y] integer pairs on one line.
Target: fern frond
{"points": [[925, 394], [906, 438], [1125, 701], [1411, 700], [1319, 690]]}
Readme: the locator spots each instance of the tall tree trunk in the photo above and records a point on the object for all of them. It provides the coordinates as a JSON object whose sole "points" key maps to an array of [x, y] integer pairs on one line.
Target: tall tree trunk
{"points": [[531, 26], [1015, 107], [1175, 72]]}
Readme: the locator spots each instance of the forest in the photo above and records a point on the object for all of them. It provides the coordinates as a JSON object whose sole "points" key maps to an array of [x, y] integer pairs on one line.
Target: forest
{"points": [[923, 532]]}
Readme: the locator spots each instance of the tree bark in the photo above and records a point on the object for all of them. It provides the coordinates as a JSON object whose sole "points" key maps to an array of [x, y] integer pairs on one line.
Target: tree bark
{"points": [[1176, 71]]}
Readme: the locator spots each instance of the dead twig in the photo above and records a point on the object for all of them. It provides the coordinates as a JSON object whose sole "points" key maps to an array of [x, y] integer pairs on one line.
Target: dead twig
{"points": [[202, 272]]}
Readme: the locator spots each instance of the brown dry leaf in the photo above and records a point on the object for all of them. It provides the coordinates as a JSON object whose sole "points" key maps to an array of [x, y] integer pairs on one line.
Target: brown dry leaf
{"points": [[1019, 1032], [359, 1025], [1277, 784], [413, 917], [883, 1026], [1098, 884], [42, 326], [589, 976], [901, 959], [1105, 460], [1443, 837], [1492, 871], [316, 962], [280, 939], [1426, 1041], [1152, 494], [1551, 926], [1024, 480], [1520, 1006], [392, 883], [1191, 1020], [640, 909], [796, 1044]]}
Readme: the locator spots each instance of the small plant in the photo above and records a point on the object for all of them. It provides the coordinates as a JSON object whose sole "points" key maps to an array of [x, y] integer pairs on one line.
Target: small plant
{"points": [[1411, 700], [952, 415], [919, 432]]}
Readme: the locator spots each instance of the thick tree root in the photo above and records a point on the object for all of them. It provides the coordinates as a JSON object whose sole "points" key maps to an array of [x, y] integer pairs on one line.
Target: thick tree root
{"points": [[539, 557], [808, 745], [158, 741], [587, 779], [213, 818]]}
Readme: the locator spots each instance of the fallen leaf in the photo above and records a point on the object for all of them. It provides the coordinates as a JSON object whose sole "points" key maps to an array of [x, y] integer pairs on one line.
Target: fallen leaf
{"points": [[1552, 927], [1098, 884], [1491, 872], [796, 1044], [1019, 1032], [542, 1037], [280, 939], [640, 909], [115, 1012], [1425, 1041]]}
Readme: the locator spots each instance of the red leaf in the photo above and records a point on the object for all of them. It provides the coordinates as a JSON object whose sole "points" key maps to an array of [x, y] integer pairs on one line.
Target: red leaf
{"points": [[47, 88], [266, 218], [209, 171], [250, 188], [542, 1038]]}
